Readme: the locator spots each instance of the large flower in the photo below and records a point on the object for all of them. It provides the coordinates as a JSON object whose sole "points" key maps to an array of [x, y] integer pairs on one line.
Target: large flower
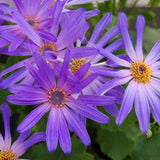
{"points": [[12, 152], [60, 98], [142, 74]]}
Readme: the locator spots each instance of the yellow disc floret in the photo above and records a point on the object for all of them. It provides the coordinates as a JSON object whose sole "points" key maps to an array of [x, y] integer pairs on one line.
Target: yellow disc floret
{"points": [[7, 155], [141, 72], [57, 97], [76, 64], [32, 21], [54, 1], [46, 47]]}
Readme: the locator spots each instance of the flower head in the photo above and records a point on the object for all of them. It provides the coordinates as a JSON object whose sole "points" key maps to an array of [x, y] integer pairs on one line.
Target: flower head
{"points": [[12, 152], [142, 74], [58, 97]]}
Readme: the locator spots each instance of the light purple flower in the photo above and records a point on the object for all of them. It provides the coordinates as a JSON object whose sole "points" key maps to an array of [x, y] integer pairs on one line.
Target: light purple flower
{"points": [[58, 97], [141, 72], [18, 148]]}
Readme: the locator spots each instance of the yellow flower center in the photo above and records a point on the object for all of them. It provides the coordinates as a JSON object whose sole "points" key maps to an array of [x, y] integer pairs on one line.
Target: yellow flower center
{"points": [[46, 47], [140, 72], [54, 1], [32, 21], [76, 64], [7, 155], [57, 97]]}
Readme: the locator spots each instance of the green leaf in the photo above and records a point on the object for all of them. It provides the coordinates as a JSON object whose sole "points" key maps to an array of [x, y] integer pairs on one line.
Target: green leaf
{"points": [[154, 3], [40, 151], [147, 148], [151, 36], [117, 144]]}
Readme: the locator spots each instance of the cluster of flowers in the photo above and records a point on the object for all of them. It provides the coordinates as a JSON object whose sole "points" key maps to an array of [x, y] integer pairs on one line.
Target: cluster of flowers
{"points": [[69, 76]]}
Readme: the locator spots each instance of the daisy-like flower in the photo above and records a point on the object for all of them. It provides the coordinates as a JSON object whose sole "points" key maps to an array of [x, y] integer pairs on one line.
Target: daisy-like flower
{"points": [[13, 151], [30, 18], [141, 72], [58, 97], [95, 60]]}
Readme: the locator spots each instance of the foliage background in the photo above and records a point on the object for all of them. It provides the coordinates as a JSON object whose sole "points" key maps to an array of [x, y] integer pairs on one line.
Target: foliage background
{"points": [[109, 142]]}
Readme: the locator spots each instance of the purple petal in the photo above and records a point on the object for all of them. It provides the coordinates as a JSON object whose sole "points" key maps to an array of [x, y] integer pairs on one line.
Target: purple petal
{"points": [[13, 78], [52, 130], [2, 144], [113, 83], [63, 134], [40, 77], [91, 13], [127, 102], [96, 99], [77, 126], [139, 29], [35, 138], [82, 71], [19, 6], [47, 36], [125, 36], [114, 58], [112, 109], [108, 36], [15, 44], [115, 46], [27, 29], [16, 66], [89, 112], [104, 71], [142, 108], [64, 70], [20, 139], [32, 118], [6, 113], [88, 80], [45, 69], [81, 52], [154, 102], [154, 54], [100, 27]]}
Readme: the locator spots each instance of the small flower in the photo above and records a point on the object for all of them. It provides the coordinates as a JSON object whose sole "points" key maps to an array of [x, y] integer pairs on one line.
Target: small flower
{"points": [[58, 97], [14, 151], [142, 74]]}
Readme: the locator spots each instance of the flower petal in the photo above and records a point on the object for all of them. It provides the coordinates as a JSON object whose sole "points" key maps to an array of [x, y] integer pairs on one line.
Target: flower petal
{"points": [[33, 117], [142, 108], [52, 130], [6, 113], [63, 134], [139, 29], [77, 126], [127, 102]]}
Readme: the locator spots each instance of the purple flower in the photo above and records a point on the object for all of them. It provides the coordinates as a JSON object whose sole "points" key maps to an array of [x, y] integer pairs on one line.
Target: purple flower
{"points": [[31, 19], [87, 57], [141, 72], [61, 99], [8, 151]]}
